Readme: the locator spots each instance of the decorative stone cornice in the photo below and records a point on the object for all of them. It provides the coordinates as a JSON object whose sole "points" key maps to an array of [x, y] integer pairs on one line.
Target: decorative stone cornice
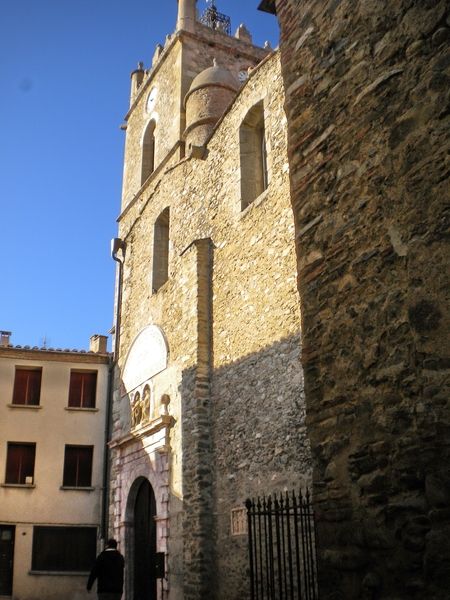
{"points": [[144, 431], [56, 354]]}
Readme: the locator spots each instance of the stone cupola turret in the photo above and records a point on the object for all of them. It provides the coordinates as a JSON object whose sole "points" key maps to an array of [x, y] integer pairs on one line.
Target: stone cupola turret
{"points": [[137, 77], [187, 15], [209, 96]]}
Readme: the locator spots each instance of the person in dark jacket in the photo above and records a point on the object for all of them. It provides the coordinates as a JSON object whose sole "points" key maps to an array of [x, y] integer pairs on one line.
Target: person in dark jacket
{"points": [[108, 571]]}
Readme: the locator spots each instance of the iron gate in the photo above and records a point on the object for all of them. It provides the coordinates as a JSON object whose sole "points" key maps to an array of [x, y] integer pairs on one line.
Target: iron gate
{"points": [[282, 547]]}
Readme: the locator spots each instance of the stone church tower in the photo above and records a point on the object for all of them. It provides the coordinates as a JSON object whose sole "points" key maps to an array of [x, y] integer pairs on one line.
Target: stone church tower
{"points": [[208, 387]]}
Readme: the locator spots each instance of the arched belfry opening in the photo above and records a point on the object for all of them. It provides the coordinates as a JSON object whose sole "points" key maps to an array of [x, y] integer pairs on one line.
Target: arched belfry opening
{"points": [[148, 151], [141, 542]]}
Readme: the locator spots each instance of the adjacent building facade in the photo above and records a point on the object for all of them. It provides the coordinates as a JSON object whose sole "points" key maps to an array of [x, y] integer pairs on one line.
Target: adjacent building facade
{"points": [[52, 452], [208, 387]]}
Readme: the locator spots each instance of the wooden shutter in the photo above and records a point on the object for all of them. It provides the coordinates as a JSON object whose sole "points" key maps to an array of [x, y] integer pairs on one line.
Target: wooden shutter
{"points": [[27, 386], [20, 462], [75, 389], [63, 548], [89, 390], [78, 466], [82, 390]]}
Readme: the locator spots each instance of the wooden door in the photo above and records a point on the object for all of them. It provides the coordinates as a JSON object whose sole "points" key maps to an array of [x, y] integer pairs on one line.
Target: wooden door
{"points": [[145, 543], [7, 534]]}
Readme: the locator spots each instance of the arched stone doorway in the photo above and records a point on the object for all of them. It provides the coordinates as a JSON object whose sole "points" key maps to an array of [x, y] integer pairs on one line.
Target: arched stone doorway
{"points": [[141, 542]]}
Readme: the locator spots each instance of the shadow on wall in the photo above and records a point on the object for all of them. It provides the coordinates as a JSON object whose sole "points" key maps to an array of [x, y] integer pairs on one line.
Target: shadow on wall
{"points": [[368, 137], [244, 434]]}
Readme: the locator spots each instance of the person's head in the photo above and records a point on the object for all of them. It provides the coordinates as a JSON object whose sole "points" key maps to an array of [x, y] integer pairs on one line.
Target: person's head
{"points": [[111, 543]]}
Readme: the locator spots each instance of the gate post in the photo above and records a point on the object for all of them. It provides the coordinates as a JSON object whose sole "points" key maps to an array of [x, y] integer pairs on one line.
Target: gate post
{"points": [[248, 504]]}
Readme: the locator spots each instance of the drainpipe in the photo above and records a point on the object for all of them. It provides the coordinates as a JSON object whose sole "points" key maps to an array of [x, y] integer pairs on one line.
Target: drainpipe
{"points": [[116, 245], [105, 520]]}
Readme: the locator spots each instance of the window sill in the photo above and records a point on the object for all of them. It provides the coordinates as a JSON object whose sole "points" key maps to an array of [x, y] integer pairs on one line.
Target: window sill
{"points": [[73, 488], [29, 406], [256, 202], [60, 573], [18, 485], [161, 288], [80, 409]]}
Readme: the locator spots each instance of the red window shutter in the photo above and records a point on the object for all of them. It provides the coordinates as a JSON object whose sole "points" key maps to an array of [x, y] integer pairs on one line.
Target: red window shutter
{"points": [[75, 389], [85, 467], [78, 466], [82, 391], [28, 461], [70, 467], [20, 462], [34, 387], [89, 390], [63, 548], [20, 387], [27, 386], [12, 464]]}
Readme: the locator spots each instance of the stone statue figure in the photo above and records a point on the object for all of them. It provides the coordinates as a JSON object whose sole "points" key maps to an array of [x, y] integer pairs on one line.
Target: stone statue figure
{"points": [[136, 410], [146, 405]]}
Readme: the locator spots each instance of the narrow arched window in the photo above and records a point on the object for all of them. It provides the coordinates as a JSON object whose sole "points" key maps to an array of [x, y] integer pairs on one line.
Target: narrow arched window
{"points": [[161, 250], [148, 151], [253, 155]]}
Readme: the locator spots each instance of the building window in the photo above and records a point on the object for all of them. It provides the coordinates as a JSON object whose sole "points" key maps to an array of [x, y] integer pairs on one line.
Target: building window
{"points": [[148, 152], [253, 155], [20, 463], [82, 390], [78, 466], [63, 548], [161, 250], [27, 386]]}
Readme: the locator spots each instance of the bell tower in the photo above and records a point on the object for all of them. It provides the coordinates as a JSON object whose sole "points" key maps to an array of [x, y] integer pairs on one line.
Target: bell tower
{"points": [[155, 124], [187, 13]]}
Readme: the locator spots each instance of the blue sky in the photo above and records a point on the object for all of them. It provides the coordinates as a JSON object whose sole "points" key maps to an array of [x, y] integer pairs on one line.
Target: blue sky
{"points": [[64, 89]]}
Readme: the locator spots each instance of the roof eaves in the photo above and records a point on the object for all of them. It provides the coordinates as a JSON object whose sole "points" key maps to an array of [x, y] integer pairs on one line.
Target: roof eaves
{"points": [[268, 6]]}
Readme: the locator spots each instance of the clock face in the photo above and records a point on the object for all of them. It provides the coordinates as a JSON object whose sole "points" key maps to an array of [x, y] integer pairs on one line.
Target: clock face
{"points": [[151, 100], [243, 76]]}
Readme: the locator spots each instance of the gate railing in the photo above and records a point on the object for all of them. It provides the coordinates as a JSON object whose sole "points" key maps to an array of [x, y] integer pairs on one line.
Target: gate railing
{"points": [[282, 547]]}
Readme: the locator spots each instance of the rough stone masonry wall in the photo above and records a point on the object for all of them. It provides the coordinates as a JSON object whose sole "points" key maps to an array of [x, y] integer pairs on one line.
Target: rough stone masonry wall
{"points": [[257, 386], [367, 86]]}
